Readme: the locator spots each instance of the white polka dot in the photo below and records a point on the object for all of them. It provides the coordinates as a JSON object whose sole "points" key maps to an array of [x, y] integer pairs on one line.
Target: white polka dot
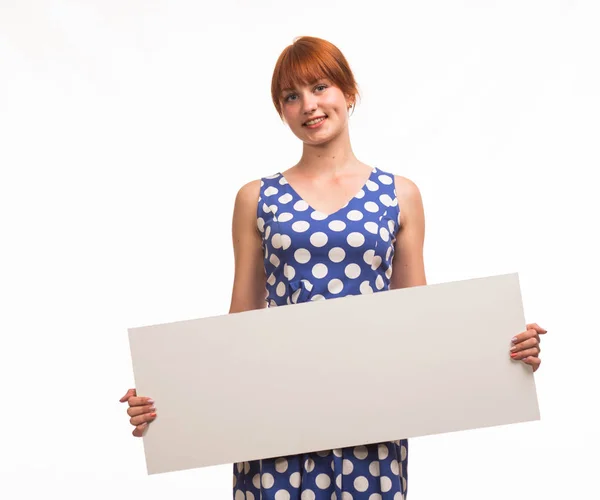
{"points": [[307, 495], [267, 232], [337, 452], [360, 194], [271, 280], [316, 215], [386, 483], [295, 296], [268, 480], [273, 208], [274, 260], [352, 271], [309, 465], [337, 225], [347, 467], [371, 206], [286, 241], [399, 218], [337, 254], [260, 222], [246, 467], [379, 282], [388, 272], [300, 226], [239, 466], [333, 496], [375, 496], [256, 480], [361, 452], [239, 495], [319, 271], [272, 303], [384, 233], [376, 262], [374, 468], [372, 227], [271, 190], [355, 239], [266, 208], [368, 256], [302, 255], [280, 289], [234, 480], [289, 272], [404, 483], [338, 480], [286, 198], [347, 496], [365, 288], [398, 496], [394, 467], [274, 176], [355, 215], [372, 186], [403, 452], [388, 253], [283, 181], [335, 286], [295, 479], [300, 206], [361, 483], [281, 465], [282, 495], [323, 453], [275, 240], [385, 179], [391, 226], [285, 216], [382, 451], [323, 481], [318, 239], [386, 200], [317, 297]]}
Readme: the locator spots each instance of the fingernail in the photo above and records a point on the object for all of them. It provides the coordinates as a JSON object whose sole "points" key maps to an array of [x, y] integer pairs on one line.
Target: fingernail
{"points": [[513, 348], [513, 340], [513, 354], [150, 401], [152, 408], [153, 414]]}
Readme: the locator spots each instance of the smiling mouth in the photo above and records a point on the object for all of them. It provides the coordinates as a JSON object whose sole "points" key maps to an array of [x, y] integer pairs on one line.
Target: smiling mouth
{"points": [[314, 121]]}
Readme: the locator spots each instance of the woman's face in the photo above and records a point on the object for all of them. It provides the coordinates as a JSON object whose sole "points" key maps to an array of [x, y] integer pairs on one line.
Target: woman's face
{"points": [[305, 103]]}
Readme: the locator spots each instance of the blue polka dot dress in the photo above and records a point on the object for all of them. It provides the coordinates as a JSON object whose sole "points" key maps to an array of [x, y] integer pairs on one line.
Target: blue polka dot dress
{"points": [[310, 256]]}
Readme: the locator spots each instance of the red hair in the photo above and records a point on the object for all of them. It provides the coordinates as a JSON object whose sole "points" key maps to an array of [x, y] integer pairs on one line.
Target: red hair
{"points": [[309, 59]]}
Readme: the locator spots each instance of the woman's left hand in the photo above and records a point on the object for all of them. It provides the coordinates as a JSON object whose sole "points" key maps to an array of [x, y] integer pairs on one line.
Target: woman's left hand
{"points": [[526, 346]]}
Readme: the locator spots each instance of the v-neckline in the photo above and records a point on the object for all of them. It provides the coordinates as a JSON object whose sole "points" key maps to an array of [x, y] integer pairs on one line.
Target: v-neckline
{"points": [[363, 188]]}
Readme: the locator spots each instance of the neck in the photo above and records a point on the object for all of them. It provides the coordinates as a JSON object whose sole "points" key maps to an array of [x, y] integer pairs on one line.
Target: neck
{"points": [[327, 159]]}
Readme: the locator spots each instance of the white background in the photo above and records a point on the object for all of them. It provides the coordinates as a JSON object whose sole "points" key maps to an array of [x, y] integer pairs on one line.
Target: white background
{"points": [[126, 128]]}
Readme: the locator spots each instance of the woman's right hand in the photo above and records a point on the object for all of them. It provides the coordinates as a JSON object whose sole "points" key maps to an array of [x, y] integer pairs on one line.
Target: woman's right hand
{"points": [[141, 410]]}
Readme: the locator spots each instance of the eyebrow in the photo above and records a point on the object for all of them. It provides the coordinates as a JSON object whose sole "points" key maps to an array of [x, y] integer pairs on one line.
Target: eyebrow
{"points": [[309, 83]]}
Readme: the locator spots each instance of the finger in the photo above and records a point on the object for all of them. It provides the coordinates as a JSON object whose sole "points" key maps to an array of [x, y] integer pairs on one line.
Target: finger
{"points": [[537, 328], [134, 411], [523, 354], [526, 335], [139, 430], [130, 393], [140, 401], [535, 362], [526, 344], [141, 419]]}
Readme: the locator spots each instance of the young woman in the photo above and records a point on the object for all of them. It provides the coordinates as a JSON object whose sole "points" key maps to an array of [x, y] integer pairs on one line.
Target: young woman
{"points": [[328, 227]]}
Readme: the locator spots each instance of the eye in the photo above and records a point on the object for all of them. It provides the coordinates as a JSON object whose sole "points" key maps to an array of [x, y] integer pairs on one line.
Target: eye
{"points": [[287, 99], [321, 85]]}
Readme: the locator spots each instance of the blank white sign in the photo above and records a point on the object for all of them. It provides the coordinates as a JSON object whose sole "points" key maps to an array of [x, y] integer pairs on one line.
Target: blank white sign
{"points": [[335, 373]]}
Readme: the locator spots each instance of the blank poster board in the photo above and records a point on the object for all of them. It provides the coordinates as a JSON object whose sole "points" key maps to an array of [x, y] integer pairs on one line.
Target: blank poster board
{"points": [[333, 373]]}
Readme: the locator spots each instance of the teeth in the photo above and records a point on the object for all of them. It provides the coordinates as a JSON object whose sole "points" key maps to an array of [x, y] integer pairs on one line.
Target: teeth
{"points": [[312, 122]]}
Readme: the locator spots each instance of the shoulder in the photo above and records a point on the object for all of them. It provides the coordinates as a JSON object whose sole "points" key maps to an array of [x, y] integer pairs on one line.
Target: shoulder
{"points": [[406, 190]]}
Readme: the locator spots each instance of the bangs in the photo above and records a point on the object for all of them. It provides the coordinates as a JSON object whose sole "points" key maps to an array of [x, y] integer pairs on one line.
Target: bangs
{"points": [[303, 69]]}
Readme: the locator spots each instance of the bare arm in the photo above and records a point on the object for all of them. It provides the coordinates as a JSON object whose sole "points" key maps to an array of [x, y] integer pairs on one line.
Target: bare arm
{"points": [[408, 268], [249, 278]]}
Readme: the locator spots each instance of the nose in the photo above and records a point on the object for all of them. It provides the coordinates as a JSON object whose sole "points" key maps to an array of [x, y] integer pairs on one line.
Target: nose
{"points": [[309, 104]]}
